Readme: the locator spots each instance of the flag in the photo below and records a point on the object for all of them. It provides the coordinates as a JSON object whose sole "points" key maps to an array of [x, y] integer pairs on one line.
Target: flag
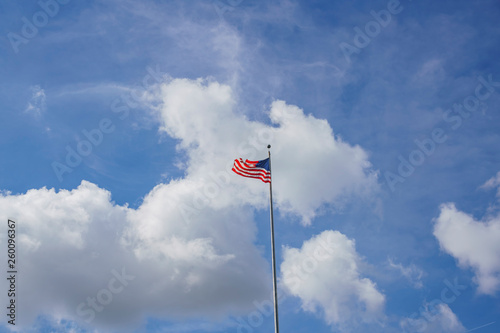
{"points": [[253, 169]]}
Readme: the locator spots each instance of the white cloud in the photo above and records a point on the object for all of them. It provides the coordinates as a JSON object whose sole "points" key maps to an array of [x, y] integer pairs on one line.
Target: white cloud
{"points": [[325, 274], [431, 72], [37, 103], [493, 182], [412, 273], [475, 244], [70, 243], [327, 169], [190, 246], [435, 318], [324, 169]]}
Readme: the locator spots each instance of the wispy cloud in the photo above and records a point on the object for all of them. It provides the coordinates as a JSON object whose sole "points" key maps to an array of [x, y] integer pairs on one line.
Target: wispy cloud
{"points": [[37, 103], [435, 318], [493, 182], [412, 273]]}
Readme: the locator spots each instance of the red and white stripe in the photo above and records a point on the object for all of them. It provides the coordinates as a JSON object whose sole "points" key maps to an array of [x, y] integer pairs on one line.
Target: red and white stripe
{"points": [[248, 169]]}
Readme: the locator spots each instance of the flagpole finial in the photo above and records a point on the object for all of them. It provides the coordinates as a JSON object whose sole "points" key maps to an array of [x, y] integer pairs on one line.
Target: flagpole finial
{"points": [[268, 146]]}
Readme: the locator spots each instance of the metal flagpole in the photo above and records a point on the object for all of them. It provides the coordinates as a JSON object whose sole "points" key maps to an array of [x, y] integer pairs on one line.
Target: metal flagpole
{"points": [[276, 323]]}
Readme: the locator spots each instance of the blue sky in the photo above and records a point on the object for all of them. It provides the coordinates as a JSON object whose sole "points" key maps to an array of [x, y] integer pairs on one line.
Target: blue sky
{"points": [[120, 121]]}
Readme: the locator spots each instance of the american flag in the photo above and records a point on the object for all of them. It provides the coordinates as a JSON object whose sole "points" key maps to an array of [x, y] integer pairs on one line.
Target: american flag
{"points": [[253, 169]]}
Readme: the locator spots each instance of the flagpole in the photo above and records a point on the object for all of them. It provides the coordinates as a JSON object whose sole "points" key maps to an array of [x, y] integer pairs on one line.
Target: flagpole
{"points": [[275, 293]]}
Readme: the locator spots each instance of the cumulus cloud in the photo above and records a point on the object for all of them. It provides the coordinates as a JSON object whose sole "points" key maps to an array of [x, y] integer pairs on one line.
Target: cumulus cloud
{"points": [[475, 244], [434, 318], [71, 246], [189, 249], [330, 170], [325, 273]]}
